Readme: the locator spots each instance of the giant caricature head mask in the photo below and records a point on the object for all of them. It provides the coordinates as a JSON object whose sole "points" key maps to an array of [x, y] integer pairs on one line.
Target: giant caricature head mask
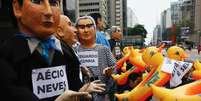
{"points": [[66, 31], [38, 18], [86, 29]]}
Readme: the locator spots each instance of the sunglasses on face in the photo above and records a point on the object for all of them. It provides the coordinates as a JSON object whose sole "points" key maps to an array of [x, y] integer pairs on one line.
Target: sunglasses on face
{"points": [[85, 26]]}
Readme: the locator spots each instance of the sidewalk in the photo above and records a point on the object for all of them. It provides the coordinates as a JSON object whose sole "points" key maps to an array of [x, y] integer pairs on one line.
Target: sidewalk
{"points": [[193, 54]]}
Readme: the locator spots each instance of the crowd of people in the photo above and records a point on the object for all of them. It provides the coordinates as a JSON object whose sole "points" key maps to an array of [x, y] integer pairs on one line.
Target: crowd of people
{"points": [[49, 59]]}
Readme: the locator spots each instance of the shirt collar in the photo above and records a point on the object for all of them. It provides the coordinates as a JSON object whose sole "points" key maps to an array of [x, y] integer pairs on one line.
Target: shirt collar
{"points": [[33, 43]]}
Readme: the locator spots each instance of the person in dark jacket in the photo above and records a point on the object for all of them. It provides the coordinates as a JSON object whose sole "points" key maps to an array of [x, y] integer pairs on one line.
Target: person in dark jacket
{"points": [[115, 42], [66, 33], [34, 64]]}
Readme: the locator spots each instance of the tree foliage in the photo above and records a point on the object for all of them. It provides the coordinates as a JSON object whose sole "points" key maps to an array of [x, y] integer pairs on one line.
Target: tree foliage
{"points": [[137, 30]]}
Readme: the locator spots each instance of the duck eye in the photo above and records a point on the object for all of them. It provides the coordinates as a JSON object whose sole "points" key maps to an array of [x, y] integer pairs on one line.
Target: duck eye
{"points": [[177, 53], [152, 53]]}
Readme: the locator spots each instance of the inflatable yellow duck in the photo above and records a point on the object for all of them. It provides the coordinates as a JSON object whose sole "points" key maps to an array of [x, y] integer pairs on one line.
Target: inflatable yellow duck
{"points": [[176, 53], [142, 91], [188, 92], [196, 74], [135, 58]]}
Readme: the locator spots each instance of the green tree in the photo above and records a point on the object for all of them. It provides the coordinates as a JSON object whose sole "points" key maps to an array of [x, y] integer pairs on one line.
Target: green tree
{"points": [[139, 30]]}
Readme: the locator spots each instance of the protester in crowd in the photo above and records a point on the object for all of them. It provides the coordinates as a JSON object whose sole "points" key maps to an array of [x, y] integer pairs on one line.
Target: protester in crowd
{"points": [[97, 57], [66, 33], [199, 48], [100, 35], [34, 65], [115, 41]]}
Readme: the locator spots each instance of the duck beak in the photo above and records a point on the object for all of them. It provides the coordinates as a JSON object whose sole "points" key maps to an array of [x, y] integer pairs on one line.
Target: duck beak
{"points": [[142, 50], [184, 56], [161, 47]]}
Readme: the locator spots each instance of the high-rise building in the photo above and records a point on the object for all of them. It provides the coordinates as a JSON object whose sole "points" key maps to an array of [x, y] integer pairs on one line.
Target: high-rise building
{"points": [[197, 15], [176, 14], [124, 17], [168, 19], [157, 36], [166, 23], [198, 20], [183, 14], [131, 18], [86, 7], [69, 9], [116, 13]]}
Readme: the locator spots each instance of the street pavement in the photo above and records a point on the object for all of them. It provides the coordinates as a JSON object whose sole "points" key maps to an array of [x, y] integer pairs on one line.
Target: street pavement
{"points": [[193, 54]]}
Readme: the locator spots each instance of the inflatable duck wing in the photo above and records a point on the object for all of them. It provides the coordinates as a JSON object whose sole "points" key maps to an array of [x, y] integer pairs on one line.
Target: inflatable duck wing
{"points": [[188, 92]]}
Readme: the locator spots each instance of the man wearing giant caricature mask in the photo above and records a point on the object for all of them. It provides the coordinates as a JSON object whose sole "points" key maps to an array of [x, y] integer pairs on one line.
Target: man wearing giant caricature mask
{"points": [[34, 66]]}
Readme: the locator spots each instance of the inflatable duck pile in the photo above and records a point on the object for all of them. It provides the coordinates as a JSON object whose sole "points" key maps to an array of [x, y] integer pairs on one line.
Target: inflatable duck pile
{"points": [[186, 92], [153, 83], [134, 57], [151, 56]]}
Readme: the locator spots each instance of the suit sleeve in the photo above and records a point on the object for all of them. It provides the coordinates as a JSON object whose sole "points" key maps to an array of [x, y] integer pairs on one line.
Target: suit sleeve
{"points": [[10, 88]]}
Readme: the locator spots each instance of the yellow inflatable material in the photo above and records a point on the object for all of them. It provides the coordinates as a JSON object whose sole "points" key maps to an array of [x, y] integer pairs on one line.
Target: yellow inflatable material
{"points": [[176, 53], [123, 77], [134, 57], [152, 57], [126, 56], [196, 74], [123, 68], [188, 92], [142, 91]]}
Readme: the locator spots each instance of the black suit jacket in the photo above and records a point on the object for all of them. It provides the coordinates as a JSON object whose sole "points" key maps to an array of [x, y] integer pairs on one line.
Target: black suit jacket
{"points": [[16, 64]]}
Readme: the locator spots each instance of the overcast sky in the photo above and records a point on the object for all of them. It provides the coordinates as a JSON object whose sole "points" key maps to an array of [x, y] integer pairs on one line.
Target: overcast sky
{"points": [[148, 11]]}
